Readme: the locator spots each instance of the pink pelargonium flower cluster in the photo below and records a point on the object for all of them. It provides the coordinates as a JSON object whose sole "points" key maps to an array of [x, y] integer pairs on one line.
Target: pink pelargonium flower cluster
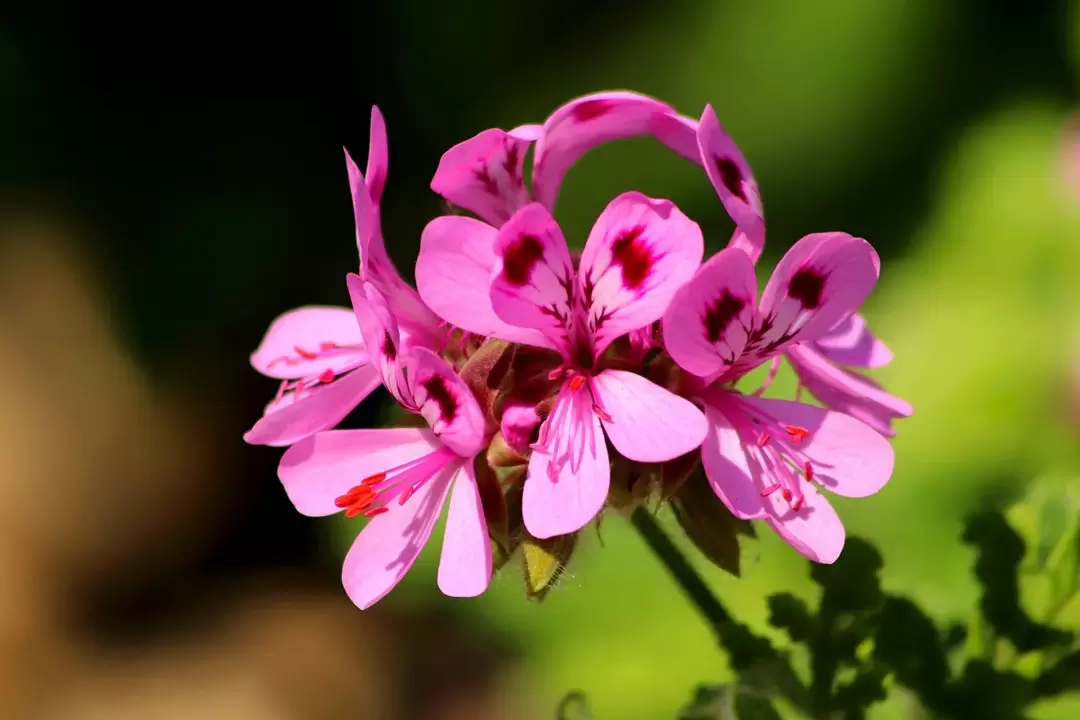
{"points": [[516, 353]]}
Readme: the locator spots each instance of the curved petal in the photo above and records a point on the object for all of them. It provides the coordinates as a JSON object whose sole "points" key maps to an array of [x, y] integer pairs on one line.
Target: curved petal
{"points": [[728, 469], [708, 323], [318, 408], [849, 458], [529, 131], [852, 343], [582, 124], [678, 133], [821, 280], [534, 276], [381, 336], [730, 175], [569, 474], [484, 175], [815, 530], [365, 212], [639, 253], [644, 421], [308, 341], [465, 564], [446, 402], [453, 272], [321, 468], [378, 159], [389, 545]]}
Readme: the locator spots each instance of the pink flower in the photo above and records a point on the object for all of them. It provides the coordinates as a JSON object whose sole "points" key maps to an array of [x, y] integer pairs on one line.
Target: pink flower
{"points": [[401, 477], [764, 458], [520, 284]]}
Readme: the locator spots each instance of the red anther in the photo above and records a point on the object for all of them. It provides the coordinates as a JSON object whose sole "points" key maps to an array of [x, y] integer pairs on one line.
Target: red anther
{"points": [[798, 434], [763, 438], [408, 493], [373, 480], [601, 413], [577, 382], [304, 353], [797, 505], [556, 374], [328, 346], [808, 471], [786, 494], [372, 512], [353, 512], [770, 490], [327, 376]]}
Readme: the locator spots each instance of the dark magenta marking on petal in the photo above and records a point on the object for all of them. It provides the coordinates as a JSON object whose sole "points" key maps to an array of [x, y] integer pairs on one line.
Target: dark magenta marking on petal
{"points": [[438, 393], [720, 315], [635, 258], [592, 109], [511, 161], [388, 347], [484, 178], [731, 177], [519, 258], [806, 286]]}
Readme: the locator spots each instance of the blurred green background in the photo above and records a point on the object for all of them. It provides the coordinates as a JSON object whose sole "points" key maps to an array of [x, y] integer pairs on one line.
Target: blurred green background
{"points": [[194, 157]]}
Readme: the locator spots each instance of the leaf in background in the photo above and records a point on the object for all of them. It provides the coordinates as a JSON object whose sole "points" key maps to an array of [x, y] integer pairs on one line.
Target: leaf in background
{"points": [[708, 523], [573, 707]]}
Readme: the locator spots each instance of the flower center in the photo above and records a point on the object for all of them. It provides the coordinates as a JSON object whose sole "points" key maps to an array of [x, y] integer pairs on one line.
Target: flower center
{"points": [[776, 448], [375, 493]]}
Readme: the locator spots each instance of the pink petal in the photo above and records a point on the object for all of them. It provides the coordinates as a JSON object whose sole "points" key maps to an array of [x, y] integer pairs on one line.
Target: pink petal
{"points": [[639, 253], [678, 133], [852, 343], [821, 280], [465, 564], [647, 423], [707, 324], [730, 175], [530, 132], [389, 545], [308, 341], [582, 124], [728, 469], [484, 175], [848, 457], [845, 391], [318, 408], [815, 530], [381, 336], [454, 270], [446, 402], [518, 424], [534, 276], [569, 475], [378, 161], [321, 468], [365, 212]]}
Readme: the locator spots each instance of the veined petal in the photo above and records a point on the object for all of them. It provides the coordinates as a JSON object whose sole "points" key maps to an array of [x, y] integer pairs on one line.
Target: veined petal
{"points": [[569, 474], [484, 175], [446, 402], [453, 272], [534, 276], [732, 475], [644, 421], [317, 408], [852, 343], [639, 253], [308, 341], [815, 530], [378, 160], [730, 175], [848, 457], [465, 564], [708, 323], [582, 124], [321, 468], [389, 545], [381, 336]]}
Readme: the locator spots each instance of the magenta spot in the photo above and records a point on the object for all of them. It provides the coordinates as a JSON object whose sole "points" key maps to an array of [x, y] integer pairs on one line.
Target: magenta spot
{"points": [[484, 178], [388, 347], [592, 109], [437, 392], [631, 253], [720, 315], [519, 258], [731, 177], [806, 287], [512, 160]]}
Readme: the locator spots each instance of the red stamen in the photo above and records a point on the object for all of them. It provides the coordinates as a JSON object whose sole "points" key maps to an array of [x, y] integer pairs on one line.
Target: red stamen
{"points": [[304, 353], [763, 438], [786, 494], [372, 512], [327, 376], [798, 434], [601, 412], [373, 480], [328, 346], [577, 382], [556, 374], [408, 493], [356, 499], [808, 471], [797, 505], [770, 490]]}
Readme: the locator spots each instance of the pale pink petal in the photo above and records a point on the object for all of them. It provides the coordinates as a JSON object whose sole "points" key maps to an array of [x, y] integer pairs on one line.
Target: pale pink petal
{"points": [[569, 474], [318, 408], [709, 320], [321, 468], [733, 476], [852, 343], [389, 545], [446, 402], [454, 271], [465, 564], [582, 124], [378, 161], [678, 133], [639, 253], [381, 336], [534, 276], [730, 175], [309, 341], [821, 280], [815, 530], [644, 421], [848, 457], [484, 175], [530, 132]]}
